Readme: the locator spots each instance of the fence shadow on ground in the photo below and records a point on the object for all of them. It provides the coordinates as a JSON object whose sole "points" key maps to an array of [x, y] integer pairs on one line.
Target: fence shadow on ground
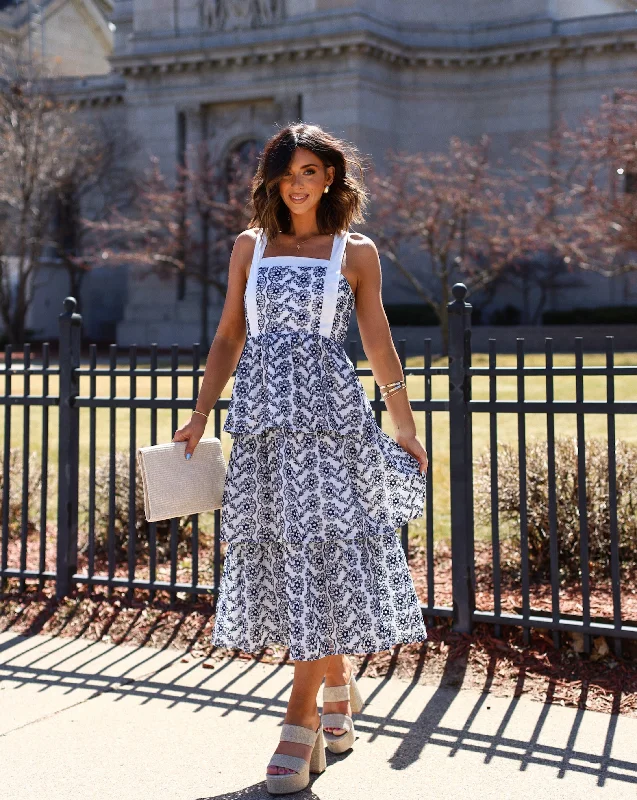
{"points": [[412, 736]]}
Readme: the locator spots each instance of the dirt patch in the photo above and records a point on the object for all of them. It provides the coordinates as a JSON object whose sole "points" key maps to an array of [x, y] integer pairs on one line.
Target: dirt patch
{"points": [[505, 667]]}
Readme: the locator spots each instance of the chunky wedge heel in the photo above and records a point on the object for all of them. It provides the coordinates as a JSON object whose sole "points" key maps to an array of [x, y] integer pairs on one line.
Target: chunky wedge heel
{"points": [[339, 743], [298, 780]]}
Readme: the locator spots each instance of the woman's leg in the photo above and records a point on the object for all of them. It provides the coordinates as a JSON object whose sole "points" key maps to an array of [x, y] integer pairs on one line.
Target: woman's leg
{"points": [[302, 708], [338, 672]]}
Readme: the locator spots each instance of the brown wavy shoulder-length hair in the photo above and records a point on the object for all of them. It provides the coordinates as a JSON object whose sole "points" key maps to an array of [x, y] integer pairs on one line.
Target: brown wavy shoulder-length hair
{"points": [[346, 200]]}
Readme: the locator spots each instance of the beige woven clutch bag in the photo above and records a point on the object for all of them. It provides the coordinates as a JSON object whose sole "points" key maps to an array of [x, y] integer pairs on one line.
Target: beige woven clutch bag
{"points": [[175, 487]]}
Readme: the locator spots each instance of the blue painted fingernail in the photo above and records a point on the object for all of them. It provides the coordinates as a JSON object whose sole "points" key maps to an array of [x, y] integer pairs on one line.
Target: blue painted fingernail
{"points": [[188, 456]]}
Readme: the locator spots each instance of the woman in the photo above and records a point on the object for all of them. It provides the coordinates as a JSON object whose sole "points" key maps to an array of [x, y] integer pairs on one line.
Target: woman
{"points": [[315, 490]]}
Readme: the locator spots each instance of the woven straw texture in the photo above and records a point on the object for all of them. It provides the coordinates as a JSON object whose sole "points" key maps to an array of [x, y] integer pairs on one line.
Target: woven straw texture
{"points": [[297, 733], [175, 487]]}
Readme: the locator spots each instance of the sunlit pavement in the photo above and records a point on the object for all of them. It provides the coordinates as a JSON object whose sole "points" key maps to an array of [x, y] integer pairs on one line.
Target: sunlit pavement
{"points": [[82, 719]]}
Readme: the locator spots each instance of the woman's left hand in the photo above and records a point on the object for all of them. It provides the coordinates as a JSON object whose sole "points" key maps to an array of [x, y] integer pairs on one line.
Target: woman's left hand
{"points": [[412, 444]]}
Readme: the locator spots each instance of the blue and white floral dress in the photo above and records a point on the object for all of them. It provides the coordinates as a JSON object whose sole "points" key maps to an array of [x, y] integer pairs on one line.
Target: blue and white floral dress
{"points": [[315, 489]]}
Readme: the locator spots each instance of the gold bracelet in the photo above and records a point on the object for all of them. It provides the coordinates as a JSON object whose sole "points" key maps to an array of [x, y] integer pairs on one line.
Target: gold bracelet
{"points": [[393, 387], [393, 391], [200, 412]]}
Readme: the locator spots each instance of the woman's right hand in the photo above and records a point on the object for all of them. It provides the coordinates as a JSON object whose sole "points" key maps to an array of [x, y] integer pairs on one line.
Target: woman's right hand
{"points": [[191, 433]]}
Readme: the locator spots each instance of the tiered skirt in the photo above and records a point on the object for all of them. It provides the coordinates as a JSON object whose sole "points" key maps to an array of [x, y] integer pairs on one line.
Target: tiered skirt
{"points": [[314, 562]]}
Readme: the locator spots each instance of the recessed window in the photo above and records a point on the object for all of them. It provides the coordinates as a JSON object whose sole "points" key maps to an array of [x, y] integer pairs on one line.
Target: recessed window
{"points": [[245, 154]]}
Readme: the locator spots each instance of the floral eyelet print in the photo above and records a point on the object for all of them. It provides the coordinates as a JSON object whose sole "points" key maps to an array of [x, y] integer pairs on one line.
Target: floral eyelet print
{"points": [[318, 599], [315, 490]]}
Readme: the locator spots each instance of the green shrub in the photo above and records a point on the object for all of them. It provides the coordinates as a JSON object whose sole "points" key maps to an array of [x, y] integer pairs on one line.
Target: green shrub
{"points": [[508, 315], [15, 490], [411, 314], [601, 315], [121, 515], [568, 518], [420, 315]]}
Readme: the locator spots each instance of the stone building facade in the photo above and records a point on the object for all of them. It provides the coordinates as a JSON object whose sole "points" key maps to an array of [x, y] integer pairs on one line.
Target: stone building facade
{"points": [[72, 37], [405, 74]]}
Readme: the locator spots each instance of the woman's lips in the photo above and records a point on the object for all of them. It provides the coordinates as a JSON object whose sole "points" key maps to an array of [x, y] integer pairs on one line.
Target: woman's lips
{"points": [[301, 200]]}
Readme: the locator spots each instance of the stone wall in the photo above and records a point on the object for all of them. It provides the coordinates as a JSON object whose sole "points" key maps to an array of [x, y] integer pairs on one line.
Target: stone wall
{"points": [[77, 39]]}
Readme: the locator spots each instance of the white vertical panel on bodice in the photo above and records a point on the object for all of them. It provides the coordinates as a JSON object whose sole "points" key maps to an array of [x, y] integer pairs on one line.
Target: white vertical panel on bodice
{"points": [[330, 291], [251, 287]]}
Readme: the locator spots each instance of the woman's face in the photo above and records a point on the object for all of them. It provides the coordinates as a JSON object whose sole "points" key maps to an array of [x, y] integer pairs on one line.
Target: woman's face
{"points": [[303, 182]]}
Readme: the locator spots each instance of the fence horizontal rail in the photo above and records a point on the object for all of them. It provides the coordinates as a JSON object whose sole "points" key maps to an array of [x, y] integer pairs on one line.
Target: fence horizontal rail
{"points": [[32, 400], [20, 370], [558, 372], [444, 612], [157, 403], [553, 406], [560, 624], [186, 372], [16, 572], [147, 585]]}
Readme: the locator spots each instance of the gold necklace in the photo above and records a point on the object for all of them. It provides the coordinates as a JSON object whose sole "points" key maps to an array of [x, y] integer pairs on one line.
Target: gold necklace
{"points": [[298, 244]]}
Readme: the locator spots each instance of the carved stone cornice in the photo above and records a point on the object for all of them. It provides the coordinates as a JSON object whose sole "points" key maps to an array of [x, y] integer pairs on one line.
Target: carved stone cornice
{"points": [[370, 46], [94, 92]]}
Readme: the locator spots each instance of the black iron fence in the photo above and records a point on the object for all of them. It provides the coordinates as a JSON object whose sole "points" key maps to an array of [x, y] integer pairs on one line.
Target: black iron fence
{"points": [[107, 407]]}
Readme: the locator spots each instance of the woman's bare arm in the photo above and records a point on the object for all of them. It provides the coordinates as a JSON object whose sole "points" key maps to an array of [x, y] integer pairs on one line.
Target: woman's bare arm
{"points": [[364, 262], [227, 345]]}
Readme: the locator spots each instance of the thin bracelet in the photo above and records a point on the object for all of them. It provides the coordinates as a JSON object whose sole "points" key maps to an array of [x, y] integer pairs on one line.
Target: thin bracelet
{"points": [[391, 385], [389, 394], [393, 390], [200, 412]]}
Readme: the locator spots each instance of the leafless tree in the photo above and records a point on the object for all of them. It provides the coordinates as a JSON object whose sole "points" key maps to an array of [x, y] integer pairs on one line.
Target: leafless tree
{"points": [[185, 228], [99, 179], [221, 197], [582, 198], [603, 213], [153, 235], [454, 208], [37, 142]]}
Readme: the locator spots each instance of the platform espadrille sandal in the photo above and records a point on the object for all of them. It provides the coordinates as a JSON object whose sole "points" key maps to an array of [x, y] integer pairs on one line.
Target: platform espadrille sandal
{"points": [[298, 780], [340, 742]]}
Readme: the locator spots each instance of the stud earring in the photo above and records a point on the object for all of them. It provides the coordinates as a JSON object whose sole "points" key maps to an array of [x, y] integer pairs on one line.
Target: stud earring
{"points": [[326, 190]]}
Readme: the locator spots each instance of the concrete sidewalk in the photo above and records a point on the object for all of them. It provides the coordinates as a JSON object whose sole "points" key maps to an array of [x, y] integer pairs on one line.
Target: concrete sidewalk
{"points": [[81, 719]]}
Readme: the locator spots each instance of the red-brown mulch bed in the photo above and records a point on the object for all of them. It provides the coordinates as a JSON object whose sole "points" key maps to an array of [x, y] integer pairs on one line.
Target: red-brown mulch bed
{"points": [[506, 667]]}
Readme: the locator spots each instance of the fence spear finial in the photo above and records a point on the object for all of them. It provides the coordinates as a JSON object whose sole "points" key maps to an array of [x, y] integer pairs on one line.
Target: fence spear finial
{"points": [[459, 291], [70, 304]]}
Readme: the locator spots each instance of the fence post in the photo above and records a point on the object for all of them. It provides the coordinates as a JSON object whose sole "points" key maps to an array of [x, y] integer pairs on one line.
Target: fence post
{"points": [[68, 443], [460, 465]]}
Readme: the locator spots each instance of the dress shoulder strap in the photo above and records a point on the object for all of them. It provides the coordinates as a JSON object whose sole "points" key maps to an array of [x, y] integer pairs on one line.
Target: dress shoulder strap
{"points": [[332, 277], [259, 246], [251, 287], [338, 250]]}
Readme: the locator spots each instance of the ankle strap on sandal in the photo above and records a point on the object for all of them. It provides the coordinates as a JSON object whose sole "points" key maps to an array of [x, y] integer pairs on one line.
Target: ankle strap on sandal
{"points": [[332, 694], [297, 733]]}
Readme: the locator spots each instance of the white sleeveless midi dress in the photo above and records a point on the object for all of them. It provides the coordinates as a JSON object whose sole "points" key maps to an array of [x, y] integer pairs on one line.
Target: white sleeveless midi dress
{"points": [[315, 490]]}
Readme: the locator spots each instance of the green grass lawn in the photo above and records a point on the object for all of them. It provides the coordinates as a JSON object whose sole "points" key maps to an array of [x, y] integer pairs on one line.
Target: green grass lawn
{"points": [[594, 388]]}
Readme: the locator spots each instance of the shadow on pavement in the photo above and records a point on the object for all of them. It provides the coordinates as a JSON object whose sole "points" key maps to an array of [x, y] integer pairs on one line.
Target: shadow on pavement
{"points": [[412, 736], [260, 792]]}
